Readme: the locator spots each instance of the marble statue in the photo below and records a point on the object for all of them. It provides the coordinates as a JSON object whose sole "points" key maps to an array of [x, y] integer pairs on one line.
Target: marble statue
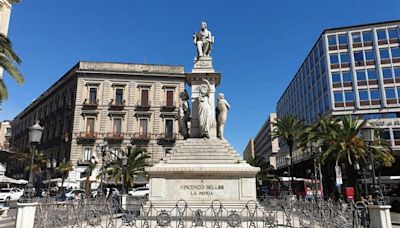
{"points": [[206, 119], [203, 40], [184, 114], [222, 110]]}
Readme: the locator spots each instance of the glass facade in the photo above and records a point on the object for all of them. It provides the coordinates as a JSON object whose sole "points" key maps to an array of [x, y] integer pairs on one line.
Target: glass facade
{"points": [[352, 69]]}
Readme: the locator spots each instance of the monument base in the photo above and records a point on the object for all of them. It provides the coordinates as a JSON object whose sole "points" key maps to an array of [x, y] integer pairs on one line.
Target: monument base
{"points": [[202, 172]]}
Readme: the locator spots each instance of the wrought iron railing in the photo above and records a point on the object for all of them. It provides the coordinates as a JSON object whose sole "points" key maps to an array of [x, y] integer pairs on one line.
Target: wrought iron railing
{"points": [[269, 212]]}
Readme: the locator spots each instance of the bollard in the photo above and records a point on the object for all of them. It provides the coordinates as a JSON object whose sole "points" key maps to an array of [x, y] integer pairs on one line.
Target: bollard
{"points": [[380, 216], [123, 201], [25, 215]]}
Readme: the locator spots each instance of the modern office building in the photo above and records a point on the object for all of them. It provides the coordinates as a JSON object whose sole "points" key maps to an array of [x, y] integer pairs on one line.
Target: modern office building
{"points": [[264, 146], [95, 103], [249, 153], [350, 70]]}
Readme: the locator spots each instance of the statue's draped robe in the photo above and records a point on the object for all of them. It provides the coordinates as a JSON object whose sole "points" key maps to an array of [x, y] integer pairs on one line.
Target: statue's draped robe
{"points": [[205, 115]]}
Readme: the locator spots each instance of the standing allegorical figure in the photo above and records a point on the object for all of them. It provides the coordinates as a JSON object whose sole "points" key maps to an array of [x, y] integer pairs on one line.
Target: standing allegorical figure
{"points": [[222, 108], [203, 40], [184, 114], [206, 118]]}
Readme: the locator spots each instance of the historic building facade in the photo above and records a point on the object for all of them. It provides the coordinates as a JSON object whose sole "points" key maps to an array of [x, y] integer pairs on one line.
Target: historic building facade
{"points": [[350, 70], [5, 135], [99, 103]]}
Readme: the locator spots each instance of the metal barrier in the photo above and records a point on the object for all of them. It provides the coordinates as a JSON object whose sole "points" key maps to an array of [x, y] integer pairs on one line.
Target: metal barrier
{"points": [[268, 212]]}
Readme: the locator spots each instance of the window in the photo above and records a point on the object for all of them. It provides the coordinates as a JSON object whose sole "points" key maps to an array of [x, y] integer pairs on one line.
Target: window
{"points": [[143, 126], [397, 72], [338, 96], [369, 55], [334, 59], [395, 52], [386, 134], [87, 154], [344, 58], [358, 56], [332, 40], [119, 96], [335, 77], [381, 34], [387, 72], [92, 95], [342, 39], [390, 93], [349, 96], [90, 125], [169, 98], [356, 37], [375, 94], [361, 76], [367, 36], [384, 53], [393, 33], [117, 125], [144, 97], [372, 74], [321, 48], [346, 76], [169, 127], [363, 95]]}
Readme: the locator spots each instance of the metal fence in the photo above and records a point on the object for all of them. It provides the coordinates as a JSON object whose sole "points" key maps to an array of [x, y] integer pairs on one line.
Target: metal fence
{"points": [[268, 212]]}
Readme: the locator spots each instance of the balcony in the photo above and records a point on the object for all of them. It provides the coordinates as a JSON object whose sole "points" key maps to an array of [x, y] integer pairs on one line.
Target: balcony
{"points": [[116, 105], [86, 137], [141, 138], [90, 104], [168, 106], [143, 106], [115, 136], [167, 138]]}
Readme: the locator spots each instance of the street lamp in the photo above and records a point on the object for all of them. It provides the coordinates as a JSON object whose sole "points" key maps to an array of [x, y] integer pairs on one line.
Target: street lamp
{"points": [[124, 161], [369, 136], [288, 160], [103, 148], [314, 151], [35, 136]]}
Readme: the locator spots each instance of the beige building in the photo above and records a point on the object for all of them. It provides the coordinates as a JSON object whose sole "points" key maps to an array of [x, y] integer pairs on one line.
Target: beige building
{"points": [[5, 135], [248, 153], [94, 103], [266, 148]]}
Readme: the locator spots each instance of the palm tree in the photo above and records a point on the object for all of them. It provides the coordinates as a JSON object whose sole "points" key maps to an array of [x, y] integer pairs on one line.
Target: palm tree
{"points": [[8, 59], [290, 130], [64, 168], [136, 163], [39, 162]]}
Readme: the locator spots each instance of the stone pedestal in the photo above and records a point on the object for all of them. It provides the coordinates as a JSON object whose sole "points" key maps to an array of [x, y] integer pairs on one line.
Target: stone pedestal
{"points": [[202, 69], [380, 216], [200, 171], [25, 215]]}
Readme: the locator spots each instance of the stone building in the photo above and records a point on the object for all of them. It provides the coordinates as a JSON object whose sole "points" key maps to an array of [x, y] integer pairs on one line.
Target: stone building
{"points": [[248, 153], [5, 135], [95, 103]]}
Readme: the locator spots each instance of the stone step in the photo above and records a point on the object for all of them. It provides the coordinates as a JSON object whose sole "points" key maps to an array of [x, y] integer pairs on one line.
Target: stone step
{"points": [[230, 161], [204, 154], [206, 158]]}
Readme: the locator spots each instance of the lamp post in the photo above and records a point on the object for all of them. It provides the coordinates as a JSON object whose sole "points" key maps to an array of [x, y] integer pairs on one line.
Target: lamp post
{"points": [[369, 136], [362, 172], [50, 165], [35, 136], [124, 161], [103, 148], [288, 160], [314, 151]]}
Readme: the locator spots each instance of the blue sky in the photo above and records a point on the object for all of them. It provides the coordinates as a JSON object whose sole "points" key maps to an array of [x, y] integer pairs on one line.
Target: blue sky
{"points": [[259, 44]]}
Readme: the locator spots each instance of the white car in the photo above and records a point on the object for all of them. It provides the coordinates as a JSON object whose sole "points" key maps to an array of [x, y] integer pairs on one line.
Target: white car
{"points": [[139, 192], [10, 194], [75, 194]]}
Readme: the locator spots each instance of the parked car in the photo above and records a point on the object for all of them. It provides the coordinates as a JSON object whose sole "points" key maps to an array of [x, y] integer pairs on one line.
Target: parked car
{"points": [[139, 192], [10, 194], [75, 194]]}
